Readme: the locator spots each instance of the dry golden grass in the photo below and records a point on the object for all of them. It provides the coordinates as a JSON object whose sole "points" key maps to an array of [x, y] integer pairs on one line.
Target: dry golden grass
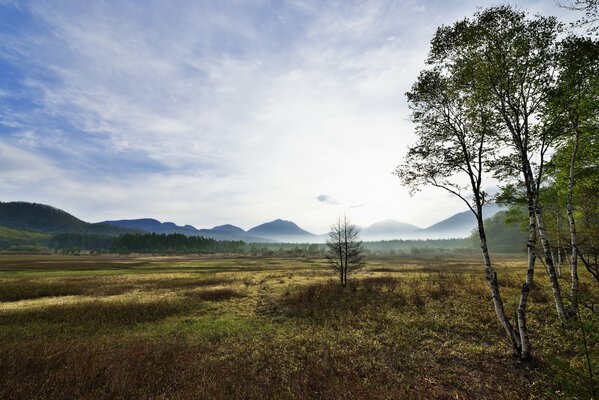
{"points": [[222, 328]]}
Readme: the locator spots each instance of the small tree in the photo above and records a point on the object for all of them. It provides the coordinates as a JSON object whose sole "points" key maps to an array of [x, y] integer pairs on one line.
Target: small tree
{"points": [[345, 252]]}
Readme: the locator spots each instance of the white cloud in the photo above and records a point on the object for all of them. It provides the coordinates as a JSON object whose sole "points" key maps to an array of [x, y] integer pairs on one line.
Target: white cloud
{"points": [[21, 167], [325, 198]]}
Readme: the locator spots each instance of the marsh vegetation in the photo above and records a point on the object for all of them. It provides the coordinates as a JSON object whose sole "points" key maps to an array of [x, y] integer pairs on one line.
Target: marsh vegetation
{"points": [[256, 327]]}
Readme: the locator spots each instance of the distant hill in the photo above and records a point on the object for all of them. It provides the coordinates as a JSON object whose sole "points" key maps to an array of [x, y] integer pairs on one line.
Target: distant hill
{"points": [[42, 218], [388, 229], [153, 225], [229, 228], [284, 231], [458, 225], [223, 232]]}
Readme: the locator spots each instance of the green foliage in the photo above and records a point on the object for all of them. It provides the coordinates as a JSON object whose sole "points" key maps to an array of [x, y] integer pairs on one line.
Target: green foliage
{"points": [[504, 234], [14, 237], [453, 136]]}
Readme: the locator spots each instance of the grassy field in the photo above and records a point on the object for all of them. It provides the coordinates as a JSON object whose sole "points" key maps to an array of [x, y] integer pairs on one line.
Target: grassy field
{"points": [[79, 327]]}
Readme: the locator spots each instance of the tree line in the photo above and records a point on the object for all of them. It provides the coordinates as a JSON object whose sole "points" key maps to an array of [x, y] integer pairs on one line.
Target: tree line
{"points": [[152, 243]]}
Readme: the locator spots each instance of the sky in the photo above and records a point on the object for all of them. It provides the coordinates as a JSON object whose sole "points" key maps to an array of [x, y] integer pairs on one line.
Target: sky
{"points": [[214, 112]]}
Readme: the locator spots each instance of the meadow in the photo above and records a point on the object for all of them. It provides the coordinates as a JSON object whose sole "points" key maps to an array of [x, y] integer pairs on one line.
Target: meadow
{"points": [[110, 327]]}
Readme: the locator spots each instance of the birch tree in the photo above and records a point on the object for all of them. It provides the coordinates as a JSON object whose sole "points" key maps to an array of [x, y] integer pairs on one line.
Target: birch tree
{"points": [[513, 59], [451, 153]]}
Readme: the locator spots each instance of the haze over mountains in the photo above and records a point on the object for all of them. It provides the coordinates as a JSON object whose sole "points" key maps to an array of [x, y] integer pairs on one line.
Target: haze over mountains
{"points": [[285, 231], [458, 225], [42, 218], [222, 232]]}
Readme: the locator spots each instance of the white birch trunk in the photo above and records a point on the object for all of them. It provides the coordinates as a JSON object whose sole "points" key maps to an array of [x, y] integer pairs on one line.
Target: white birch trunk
{"points": [[573, 240], [526, 350], [494, 286], [547, 253], [550, 265]]}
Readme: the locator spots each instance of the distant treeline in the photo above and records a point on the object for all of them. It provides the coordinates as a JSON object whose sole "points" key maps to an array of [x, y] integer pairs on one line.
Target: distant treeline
{"points": [[425, 246], [175, 243], [152, 243], [81, 241]]}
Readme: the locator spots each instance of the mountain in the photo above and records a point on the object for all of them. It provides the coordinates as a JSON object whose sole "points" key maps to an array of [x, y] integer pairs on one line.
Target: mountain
{"points": [[388, 229], [32, 217], [152, 225], [229, 228], [223, 232], [458, 225], [284, 231], [42, 218]]}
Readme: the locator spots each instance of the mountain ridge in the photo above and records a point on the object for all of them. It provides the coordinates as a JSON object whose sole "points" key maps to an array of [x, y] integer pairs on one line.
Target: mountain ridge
{"points": [[228, 228], [282, 230], [457, 225], [36, 217], [382, 229], [151, 225], [47, 219]]}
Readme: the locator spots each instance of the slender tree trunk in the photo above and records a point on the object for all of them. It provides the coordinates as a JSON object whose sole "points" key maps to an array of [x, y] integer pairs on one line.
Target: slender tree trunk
{"points": [[573, 240], [494, 286], [533, 205], [346, 247], [345, 277], [549, 264], [341, 266], [516, 131], [547, 253], [526, 351], [559, 245]]}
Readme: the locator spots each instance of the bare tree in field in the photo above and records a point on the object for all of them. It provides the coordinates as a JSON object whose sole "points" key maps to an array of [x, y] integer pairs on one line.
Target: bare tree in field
{"points": [[345, 252]]}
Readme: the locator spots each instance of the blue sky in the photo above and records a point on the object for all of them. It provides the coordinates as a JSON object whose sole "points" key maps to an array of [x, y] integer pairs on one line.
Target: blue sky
{"points": [[213, 112]]}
